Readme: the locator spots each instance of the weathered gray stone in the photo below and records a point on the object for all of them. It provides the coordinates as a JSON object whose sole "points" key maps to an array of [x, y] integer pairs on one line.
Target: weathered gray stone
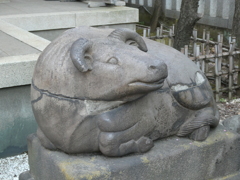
{"points": [[233, 123], [170, 159], [112, 91]]}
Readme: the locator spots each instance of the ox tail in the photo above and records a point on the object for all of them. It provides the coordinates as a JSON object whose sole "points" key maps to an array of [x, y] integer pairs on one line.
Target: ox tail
{"points": [[205, 117]]}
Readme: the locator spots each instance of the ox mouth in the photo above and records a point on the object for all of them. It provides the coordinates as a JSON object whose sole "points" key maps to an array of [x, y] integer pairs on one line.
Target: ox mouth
{"points": [[148, 85]]}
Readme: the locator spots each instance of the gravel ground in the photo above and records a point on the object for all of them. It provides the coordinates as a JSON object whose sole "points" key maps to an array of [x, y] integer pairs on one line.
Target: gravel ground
{"points": [[11, 167], [228, 109]]}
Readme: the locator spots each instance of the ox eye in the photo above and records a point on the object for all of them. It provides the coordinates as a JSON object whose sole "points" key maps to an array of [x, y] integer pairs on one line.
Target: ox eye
{"points": [[113, 60], [131, 43]]}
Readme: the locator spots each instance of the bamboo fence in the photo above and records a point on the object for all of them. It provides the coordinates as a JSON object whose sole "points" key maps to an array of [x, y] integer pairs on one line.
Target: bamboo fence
{"points": [[217, 60]]}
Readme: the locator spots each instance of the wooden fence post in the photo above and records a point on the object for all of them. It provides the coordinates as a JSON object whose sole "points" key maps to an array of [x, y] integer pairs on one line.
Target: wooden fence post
{"points": [[230, 57], [207, 50], [219, 55], [216, 73], [144, 32], [186, 50], [204, 64]]}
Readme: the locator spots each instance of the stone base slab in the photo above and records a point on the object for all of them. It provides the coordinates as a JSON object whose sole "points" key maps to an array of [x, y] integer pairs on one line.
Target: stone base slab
{"points": [[170, 159]]}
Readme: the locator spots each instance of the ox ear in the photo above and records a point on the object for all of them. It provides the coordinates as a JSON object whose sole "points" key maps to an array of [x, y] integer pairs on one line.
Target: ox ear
{"points": [[79, 53], [129, 37]]}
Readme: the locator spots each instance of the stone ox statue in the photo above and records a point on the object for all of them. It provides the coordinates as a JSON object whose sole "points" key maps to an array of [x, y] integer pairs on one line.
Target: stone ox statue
{"points": [[115, 92]]}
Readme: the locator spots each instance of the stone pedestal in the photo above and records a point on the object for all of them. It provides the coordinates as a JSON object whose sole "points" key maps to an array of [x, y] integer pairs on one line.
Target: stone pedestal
{"points": [[172, 158]]}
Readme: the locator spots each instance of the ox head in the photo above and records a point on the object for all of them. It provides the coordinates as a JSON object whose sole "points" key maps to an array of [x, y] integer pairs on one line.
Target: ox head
{"points": [[117, 67]]}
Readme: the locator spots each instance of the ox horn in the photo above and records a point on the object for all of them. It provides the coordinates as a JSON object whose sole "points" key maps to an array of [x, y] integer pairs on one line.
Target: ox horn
{"points": [[126, 34], [78, 54]]}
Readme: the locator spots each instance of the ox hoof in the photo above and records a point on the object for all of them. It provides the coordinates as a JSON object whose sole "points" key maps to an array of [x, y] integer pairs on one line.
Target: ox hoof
{"points": [[200, 134], [144, 144]]}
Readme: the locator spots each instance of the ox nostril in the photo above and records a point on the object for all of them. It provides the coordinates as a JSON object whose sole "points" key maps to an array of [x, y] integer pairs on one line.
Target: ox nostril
{"points": [[152, 67]]}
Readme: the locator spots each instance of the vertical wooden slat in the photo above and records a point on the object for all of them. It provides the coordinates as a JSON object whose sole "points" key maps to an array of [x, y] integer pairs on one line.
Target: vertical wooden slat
{"points": [[172, 34], [161, 30], [168, 4], [144, 32], [182, 51], [150, 3], [213, 8], [158, 32], [186, 50], [178, 5], [207, 7], [216, 73], [170, 37], [174, 4], [141, 2], [230, 76], [226, 9], [201, 6], [203, 51], [219, 8], [219, 54], [207, 50], [194, 43], [148, 32], [197, 56], [238, 73]]}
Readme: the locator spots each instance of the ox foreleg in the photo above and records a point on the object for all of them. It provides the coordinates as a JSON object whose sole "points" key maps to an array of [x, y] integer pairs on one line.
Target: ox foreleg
{"points": [[132, 140]]}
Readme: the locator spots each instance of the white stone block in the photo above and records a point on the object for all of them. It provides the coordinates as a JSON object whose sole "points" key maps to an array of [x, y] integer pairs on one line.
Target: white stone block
{"points": [[42, 21], [24, 36], [106, 16], [17, 70]]}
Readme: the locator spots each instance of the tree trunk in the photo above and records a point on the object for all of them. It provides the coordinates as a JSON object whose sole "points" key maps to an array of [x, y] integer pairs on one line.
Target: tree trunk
{"points": [[236, 33], [236, 22], [186, 22], [158, 12]]}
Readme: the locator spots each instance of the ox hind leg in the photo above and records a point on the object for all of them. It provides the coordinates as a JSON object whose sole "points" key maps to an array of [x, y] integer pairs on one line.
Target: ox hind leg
{"points": [[131, 140], [198, 127], [44, 140]]}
